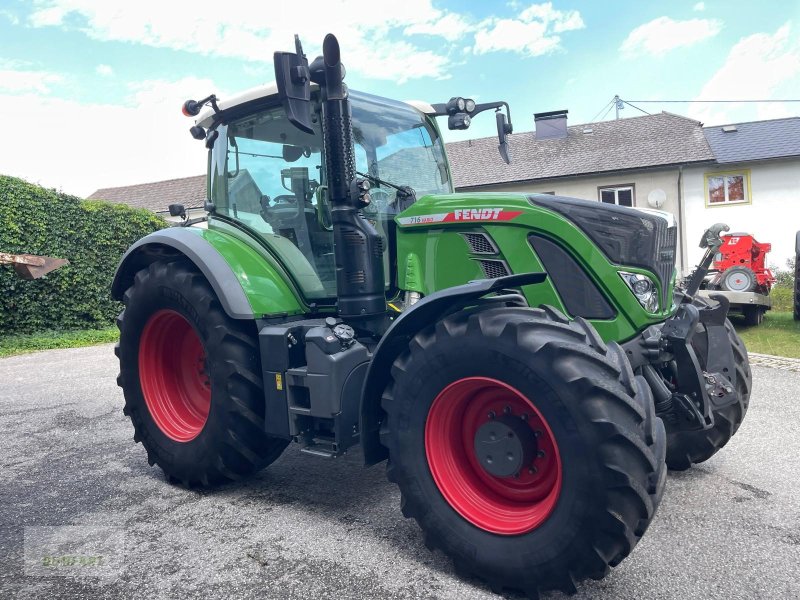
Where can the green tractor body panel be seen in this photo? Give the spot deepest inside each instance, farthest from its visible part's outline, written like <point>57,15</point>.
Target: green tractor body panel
<point>267,287</point>
<point>431,235</point>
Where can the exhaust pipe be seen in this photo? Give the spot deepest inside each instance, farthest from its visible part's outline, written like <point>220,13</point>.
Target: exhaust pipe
<point>358,247</point>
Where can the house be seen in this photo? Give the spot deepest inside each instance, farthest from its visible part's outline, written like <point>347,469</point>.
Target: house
<point>753,185</point>
<point>157,196</point>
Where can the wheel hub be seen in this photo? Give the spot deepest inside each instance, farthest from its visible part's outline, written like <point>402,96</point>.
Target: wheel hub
<point>504,446</point>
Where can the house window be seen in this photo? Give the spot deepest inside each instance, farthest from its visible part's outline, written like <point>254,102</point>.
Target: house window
<point>621,195</point>
<point>727,188</point>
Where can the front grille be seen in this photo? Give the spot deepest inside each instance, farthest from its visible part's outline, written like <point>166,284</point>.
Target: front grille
<point>665,262</point>
<point>479,243</point>
<point>494,268</point>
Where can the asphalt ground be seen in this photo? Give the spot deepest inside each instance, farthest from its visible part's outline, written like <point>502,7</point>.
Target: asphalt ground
<point>70,474</point>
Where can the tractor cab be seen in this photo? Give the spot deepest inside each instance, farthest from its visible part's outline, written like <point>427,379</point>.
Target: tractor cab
<point>269,177</point>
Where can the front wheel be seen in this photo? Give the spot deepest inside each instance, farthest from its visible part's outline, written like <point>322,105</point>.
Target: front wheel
<point>191,379</point>
<point>524,447</point>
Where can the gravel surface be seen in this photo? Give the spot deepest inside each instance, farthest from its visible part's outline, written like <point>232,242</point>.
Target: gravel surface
<point>310,528</point>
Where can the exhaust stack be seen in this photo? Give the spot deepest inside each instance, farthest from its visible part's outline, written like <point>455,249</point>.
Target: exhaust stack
<point>358,247</point>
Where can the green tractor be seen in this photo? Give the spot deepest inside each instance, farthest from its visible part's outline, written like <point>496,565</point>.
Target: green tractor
<point>524,363</point>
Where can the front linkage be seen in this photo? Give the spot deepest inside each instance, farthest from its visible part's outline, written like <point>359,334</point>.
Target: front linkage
<point>691,378</point>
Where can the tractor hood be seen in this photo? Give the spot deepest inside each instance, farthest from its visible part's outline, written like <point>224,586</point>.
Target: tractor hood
<point>626,237</point>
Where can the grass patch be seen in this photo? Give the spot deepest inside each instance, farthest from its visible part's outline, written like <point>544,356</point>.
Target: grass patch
<point>48,340</point>
<point>778,335</point>
<point>782,298</point>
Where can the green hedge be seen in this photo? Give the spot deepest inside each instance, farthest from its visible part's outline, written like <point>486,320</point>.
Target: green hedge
<point>92,234</point>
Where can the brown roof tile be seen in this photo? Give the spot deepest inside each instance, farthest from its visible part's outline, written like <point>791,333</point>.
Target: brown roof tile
<point>157,196</point>
<point>633,143</point>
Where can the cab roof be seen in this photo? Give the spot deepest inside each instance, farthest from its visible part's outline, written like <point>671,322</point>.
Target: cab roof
<point>271,89</point>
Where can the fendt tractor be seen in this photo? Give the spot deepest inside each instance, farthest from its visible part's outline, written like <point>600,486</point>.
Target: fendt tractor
<point>524,363</point>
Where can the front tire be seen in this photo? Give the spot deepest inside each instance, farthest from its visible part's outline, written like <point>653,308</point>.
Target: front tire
<point>191,379</point>
<point>590,482</point>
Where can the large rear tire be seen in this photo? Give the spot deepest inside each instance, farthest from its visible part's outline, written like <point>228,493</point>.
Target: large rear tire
<point>191,379</point>
<point>593,473</point>
<point>685,448</point>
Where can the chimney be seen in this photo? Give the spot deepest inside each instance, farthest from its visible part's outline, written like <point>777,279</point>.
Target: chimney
<point>551,125</point>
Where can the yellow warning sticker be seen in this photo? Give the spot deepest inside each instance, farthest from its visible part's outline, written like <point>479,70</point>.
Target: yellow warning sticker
<point>278,381</point>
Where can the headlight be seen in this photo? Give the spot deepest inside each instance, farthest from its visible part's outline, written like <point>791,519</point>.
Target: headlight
<point>644,289</point>
<point>469,105</point>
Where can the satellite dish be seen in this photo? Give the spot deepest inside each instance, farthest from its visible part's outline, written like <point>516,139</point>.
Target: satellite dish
<point>656,198</point>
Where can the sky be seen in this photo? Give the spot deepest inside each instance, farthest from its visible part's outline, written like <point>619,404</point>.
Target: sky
<point>90,90</point>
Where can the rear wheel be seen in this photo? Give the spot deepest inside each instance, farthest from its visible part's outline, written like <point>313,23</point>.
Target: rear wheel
<point>524,447</point>
<point>191,379</point>
<point>753,315</point>
<point>685,448</point>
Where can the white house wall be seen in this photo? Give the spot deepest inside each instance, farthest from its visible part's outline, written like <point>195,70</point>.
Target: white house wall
<point>773,216</point>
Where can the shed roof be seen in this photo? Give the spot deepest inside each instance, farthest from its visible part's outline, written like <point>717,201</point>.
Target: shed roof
<point>756,140</point>
<point>634,143</point>
<point>157,196</point>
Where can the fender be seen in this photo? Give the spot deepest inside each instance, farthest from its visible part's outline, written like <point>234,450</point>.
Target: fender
<point>221,259</point>
<point>425,312</point>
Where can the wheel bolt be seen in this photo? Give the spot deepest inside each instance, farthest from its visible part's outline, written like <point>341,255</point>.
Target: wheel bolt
<point>533,470</point>
<point>507,410</point>
<point>491,414</point>
<point>524,416</point>
<point>540,454</point>
<point>516,475</point>
<point>537,433</point>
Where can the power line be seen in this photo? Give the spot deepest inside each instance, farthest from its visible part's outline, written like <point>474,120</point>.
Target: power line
<point>611,105</point>
<point>601,110</point>
<point>636,107</point>
<point>709,101</point>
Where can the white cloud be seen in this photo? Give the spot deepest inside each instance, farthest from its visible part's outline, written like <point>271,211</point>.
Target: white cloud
<point>91,146</point>
<point>759,66</point>
<point>659,36</point>
<point>699,7</point>
<point>104,70</point>
<point>14,80</point>
<point>450,26</point>
<point>533,32</point>
<point>368,30</point>
<point>10,16</point>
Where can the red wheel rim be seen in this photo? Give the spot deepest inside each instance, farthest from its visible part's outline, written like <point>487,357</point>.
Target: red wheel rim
<point>507,505</point>
<point>173,376</point>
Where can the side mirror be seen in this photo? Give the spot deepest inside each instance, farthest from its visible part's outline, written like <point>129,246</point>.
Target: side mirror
<point>292,153</point>
<point>294,86</point>
<point>177,210</point>
<point>503,129</point>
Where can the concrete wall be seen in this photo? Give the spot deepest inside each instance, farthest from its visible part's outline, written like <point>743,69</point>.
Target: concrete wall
<point>586,187</point>
<point>772,216</point>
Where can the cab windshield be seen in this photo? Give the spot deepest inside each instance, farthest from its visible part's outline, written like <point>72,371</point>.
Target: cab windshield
<point>269,176</point>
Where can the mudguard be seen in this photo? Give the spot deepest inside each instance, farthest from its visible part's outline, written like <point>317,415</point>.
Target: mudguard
<point>246,285</point>
<point>425,312</point>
